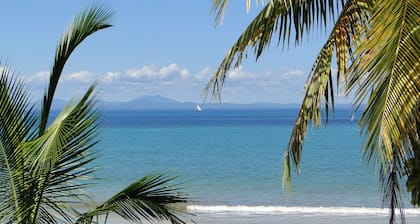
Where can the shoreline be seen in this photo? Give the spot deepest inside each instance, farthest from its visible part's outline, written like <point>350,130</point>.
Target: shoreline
<point>220,214</point>
<point>295,210</point>
<point>213,218</point>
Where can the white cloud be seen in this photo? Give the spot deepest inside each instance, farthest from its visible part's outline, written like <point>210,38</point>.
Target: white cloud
<point>184,73</point>
<point>239,73</point>
<point>283,86</point>
<point>165,70</point>
<point>147,71</point>
<point>179,83</point>
<point>110,77</point>
<point>82,76</point>
<point>38,78</point>
<point>204,74</point>
<point>151,73</point>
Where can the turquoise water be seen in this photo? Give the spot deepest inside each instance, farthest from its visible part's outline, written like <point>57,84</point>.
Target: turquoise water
<point>234,158</point>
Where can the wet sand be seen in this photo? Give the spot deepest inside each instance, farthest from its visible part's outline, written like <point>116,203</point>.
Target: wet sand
<point>206,218</point>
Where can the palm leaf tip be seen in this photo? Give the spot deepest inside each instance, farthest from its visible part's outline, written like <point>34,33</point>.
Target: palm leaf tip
<point>89,21</point>
<point>151,198</point>
<point>286,175</point>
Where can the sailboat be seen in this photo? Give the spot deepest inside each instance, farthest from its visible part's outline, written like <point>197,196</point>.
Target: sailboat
<point>198,108</point>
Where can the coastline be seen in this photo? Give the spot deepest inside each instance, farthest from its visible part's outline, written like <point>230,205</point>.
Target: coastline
<point>296,214</point>
<point>201,214</point>
<point>233,218</point>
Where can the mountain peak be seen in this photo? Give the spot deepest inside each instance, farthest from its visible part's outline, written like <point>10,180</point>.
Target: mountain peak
<point>155,99</point>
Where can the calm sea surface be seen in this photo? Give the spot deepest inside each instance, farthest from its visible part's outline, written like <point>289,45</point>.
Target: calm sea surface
<point>231,160</point>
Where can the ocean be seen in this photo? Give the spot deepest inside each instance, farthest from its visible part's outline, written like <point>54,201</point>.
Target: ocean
<point>230,164</point>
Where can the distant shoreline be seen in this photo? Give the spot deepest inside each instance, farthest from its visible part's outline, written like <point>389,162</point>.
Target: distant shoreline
<point>162,103</point>
<point>289,215</point>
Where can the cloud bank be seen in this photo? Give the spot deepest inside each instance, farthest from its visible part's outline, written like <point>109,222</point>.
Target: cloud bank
<point>177,82</point>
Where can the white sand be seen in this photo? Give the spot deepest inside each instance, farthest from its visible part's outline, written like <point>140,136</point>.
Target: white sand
<point>206,218</point>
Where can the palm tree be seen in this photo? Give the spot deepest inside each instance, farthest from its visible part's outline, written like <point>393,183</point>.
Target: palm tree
<point>45,165</point>
<point>376,45</point>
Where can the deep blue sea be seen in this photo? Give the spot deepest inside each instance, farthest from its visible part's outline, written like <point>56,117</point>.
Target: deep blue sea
<point>232,159</point>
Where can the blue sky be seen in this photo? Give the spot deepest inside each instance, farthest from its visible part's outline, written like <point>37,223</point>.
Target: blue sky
<point>170,48</point>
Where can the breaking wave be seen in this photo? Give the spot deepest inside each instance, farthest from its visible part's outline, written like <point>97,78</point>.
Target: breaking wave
<point>240,209</point>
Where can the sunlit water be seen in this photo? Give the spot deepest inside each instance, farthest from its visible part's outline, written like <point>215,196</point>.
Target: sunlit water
<point>231,160</point>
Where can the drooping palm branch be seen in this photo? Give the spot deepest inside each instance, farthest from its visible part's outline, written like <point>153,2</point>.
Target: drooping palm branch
<point>377,58</point>
<point>283,17</point>
<point>286,18</point>
<point>220,6</point>
<point>413,163</point>
<point>320,87</point>
<point>386,76</point>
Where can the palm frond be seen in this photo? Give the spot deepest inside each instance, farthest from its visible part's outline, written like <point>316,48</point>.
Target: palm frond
<point>58,159</point>
<point>413,164</point>
<point>72,129</point>
<point>284,17</point>
<point>319,87</point>
<point>391,179</point>
<point>316,91</point>
<point>85,24</point>
<point>148,199</point>
<point>385,73</point>
<point>17,117</point>
<point>220,6</point>
<point>39,171</point>
<point>16,122</point>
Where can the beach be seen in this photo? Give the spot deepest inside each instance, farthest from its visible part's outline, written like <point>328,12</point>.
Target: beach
<point>297,219</point>
<point>229,218</point>
<point>304,215</point>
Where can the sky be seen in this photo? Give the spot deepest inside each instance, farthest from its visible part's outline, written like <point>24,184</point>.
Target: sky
<point>167,48</point>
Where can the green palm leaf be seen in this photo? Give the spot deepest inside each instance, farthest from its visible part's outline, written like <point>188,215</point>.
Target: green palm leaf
<point>281,16</point>
<point>16,122</point>
<point>376,45</point>
<point>44,169</point>
<point>58,158</point>
<point>220,6</point>
<point>284,17</point>
<point>319,87</point>
<point>150,198</point>
<point>85,24</point>
<point>71,130</point>
<point>386,73</point>
<point>413,164</point>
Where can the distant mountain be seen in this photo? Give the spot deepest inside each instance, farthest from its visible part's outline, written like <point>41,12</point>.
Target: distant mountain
<point>148,102</point>
<point>157,102</point>
<point>156,99</point>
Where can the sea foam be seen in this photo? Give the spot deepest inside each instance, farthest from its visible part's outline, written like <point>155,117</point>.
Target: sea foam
<point>272,210</point>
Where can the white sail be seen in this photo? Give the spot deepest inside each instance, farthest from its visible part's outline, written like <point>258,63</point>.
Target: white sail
<point>197,108</point>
